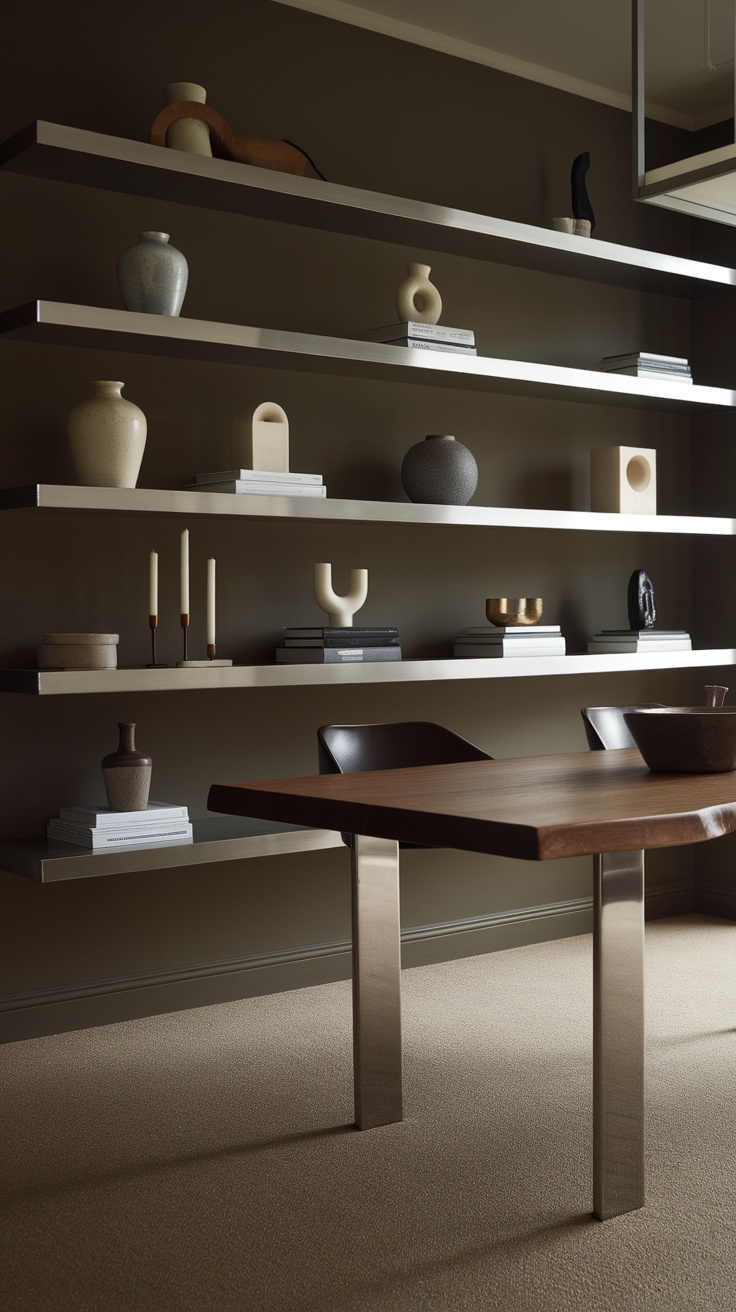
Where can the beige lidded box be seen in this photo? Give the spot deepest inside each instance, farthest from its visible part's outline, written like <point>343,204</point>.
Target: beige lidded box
<point>79,651</point>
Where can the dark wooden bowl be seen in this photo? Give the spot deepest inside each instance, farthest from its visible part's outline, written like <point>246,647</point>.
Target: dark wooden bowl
<point>686,739</point>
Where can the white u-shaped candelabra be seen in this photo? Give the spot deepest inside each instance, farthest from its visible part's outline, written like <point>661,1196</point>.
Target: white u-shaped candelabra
<point>340,610</point>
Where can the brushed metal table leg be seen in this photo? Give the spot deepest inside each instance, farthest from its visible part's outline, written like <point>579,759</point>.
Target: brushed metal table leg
<point>376,982</point>
<point>618,1033</point>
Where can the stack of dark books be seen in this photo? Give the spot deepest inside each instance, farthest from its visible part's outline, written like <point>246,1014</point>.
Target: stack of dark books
<point>646,640</point>
<point>426,336</point>
<point>338,646</point>
<point>510,640</point>
<point>644,364</point>
<point>103,830</point>
<point>262,482</point>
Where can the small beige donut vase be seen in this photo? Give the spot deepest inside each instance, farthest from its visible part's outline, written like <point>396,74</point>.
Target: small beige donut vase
<point>417,286</point>
<point>107,437</point>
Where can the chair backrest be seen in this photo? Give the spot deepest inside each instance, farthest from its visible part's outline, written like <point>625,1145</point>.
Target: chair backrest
<point>345,748</point>
<point>605,725</point>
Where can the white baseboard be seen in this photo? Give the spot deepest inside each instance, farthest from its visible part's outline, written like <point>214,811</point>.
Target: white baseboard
<point>125,997</point>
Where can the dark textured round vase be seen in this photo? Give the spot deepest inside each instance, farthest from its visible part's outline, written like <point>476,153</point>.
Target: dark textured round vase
<point>439,471</point>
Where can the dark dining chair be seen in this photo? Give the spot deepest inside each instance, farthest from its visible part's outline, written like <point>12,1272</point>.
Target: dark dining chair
<point>605,725</point>
<point>347,748</point>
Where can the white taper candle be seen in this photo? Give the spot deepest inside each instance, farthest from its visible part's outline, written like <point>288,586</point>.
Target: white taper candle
<point>211,602</point>
<point>185,572</point>
<point>153,583</point>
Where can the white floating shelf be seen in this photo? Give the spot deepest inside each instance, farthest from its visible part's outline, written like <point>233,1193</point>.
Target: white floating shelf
<point>48,683</point>
<point>221,838</point>
<point>50,150</point>
<point>703,186</point>
<point>166,501</point>
<point>58,323</point>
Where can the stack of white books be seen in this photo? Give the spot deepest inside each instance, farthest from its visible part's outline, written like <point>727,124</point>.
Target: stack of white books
<point>510,640</point>
<point>264,482</point>
<point>645,364</point>
<point>647,640</point>
<point>425,336</point>
<point>103,830</point>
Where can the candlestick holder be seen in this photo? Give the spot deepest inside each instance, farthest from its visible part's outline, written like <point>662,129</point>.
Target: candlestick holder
<point>212,659</point>
<point>155,664</point>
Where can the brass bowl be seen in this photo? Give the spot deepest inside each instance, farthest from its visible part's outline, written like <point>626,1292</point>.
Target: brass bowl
<point>685,739</point>
<point>514,610</point>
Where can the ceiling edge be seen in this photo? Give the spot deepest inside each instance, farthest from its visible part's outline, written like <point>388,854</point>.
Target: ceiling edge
<point>448,45</point>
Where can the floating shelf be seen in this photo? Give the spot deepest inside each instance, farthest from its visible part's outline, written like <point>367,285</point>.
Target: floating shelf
<point>59,324</point>
<point>48,683</point>
<point>222,838</point>
<point>167,501</point>
<point>703,186</point>
<point>62,154</point>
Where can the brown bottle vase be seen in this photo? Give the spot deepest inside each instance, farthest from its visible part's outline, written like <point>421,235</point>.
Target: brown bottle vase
<point>127,774</point>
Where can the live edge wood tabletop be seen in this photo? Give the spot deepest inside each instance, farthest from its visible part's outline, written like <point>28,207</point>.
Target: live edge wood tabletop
<point>537,808</point>
<point>604,804</point>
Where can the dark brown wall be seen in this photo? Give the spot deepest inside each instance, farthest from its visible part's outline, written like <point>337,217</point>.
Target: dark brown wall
<point>378,114</point>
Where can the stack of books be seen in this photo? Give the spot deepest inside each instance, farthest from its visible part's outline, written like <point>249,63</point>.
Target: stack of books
<point>103,830</point>
<point>266,482</point>
<point>647,640</point>
<point>338,646</point>
<point>644,364</point>
<point>510,640</point>
<point>426,336</point>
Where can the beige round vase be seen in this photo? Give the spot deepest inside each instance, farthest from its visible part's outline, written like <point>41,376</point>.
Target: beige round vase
<point>417,298</point>
<point>107,438</point>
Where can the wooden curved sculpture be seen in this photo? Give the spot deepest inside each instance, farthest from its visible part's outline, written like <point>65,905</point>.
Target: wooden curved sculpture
<point>226,144</point>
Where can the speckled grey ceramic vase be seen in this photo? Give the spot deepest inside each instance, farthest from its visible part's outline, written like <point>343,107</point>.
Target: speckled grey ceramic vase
<point>153,275</point>
<point>439,471</point>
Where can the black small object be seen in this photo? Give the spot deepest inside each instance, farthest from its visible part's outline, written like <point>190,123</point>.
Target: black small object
<point>307,157</point>
<point>581,206</point>
<point>640,600</point>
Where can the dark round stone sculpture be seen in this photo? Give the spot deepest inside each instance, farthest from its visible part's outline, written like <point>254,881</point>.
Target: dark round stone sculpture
<point>640,601</point>
<point>439,471</point>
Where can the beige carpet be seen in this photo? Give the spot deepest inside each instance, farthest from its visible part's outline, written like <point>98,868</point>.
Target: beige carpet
<point>203,1160</point>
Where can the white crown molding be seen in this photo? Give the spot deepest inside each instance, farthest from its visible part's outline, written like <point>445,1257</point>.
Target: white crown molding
<point>449,45</point>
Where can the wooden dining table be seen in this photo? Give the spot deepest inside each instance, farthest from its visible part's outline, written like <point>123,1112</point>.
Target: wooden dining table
<point>606,804</point>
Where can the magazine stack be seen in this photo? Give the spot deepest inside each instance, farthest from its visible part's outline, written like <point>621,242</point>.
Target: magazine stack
<point>103,830</point>
<point>338,646</point>
<point>644,364</point>
<point>425,336</point>
<point>510,640</point>
<point>646,640</point>
<point>263,482</point>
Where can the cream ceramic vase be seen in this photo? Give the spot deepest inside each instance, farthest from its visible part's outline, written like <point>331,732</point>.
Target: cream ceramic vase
<point>187,133</point>
<point>107,437</point>
<point>417,298</point>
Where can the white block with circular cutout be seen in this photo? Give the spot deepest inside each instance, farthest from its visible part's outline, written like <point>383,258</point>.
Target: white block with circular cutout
<point>623,480</point>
